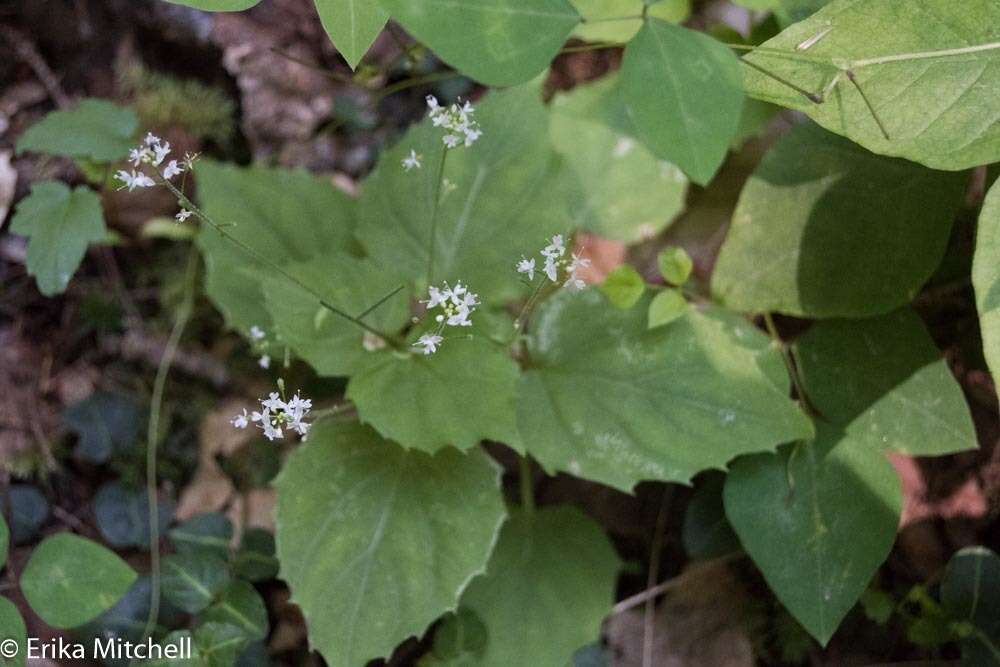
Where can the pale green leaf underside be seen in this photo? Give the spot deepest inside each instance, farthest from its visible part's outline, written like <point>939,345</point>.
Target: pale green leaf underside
<point>357,516</point>
<point>509,193</point>
<point>61,224</point>
<point>626,193</point>
<point>938,109</point>
<point>289,216</point>
<point>459,396</point>
<point>818,519</point>
<point>824,228</point>
<point>986,277</point>
<point>70,580</point>
<point>549,584</point>
<point>497,42</point>
<point>697,396</point>
<point>95,129</point>
<point>683,91</point>
<point>600,16</point>
<point>884,382</point>
<point>329,343</point>
<point>352,25</point>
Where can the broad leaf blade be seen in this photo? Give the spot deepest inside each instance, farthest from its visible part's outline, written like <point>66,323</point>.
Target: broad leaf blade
<point>818,519</point>
<point>357,516</point>
<point>70,580</point>
<point>286,215</point>
<point>683,90</point>
<point>986,277</point>
<point>96,130</point>
<point>61,224</point>
<point>549,584</point>
<point>191,582</point>
<point>352,25</point>
<point>970,591</point>
<point>497,42</point>
<point>12,628</point>
<point>603,18</point>
<point>934,107</point>
<point>824,228</point>
<point>697,396</point>
<point>884,381</point>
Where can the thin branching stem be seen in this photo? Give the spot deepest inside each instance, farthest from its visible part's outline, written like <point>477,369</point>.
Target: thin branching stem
<point>205,218</point>
<point>182,316</point>
<point>432,251</point>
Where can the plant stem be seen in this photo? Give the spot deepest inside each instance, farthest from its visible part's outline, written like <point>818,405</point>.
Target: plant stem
<point>201,215</point>
<point>375,306</point>
<point>434,216</point>
<point>153,434</point>
<point>793,370</point>
<point>527,486</point>
<point>528,305</point>
<point>415,81</point>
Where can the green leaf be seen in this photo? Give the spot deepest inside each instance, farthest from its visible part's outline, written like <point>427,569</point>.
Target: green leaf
<point>255,559</point>
<point>240,605</point>
<point>461,635</point>
<point>70,580</point>
<point>352,25</point>
<point>683,90</point>
<point>697,394</point>
<point>29,510</point>
<point>122,515</point>
<point>510,193</point>
<point>884,382</point>
<point>626,193</point>
<point>357,516</point>
<point>217,5</point>
<point>818,519</point>
<point>328,342</point>
<point>181,640</point>
<point>191,582</point>
<point>986,277</point>
<point>601,17</point>
<point>287,215</point>
<point>675,265</point>
<point>706,532</point>
<point>106,423</point>
<point>204,533</point>
<point>970,591</point>
<point>623,287</point>
<point>12,627</point>
<point>61,223</point>
<point>4,540</point>
<point>497,42</point>
<point>666,307</point>
<point>95,129</point>
<point>412,398</point>
<point>928,67</point>
<point>220,644</point>
<point>824,228</point>
<point>549,584</point>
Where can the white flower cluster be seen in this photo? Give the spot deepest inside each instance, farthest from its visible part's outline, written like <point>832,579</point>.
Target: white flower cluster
<point>456,303</point>
<point>152,151</point>
<point>555,262</point>
<point>462,127</point>
<point>276,416</point>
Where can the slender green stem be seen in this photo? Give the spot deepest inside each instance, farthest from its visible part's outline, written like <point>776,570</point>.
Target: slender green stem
<point>811,96</point>
<point>372,308</point>
<point>923,55</point>
<point>525,310</point>
<point>432,252</point>
<point>153,433</point>
<point>328,73</point>
<point>201,215</point>
<point>790,365</point>
<point>610,19</point>
<point>871,108</point>
<point>413,82</point>
<point>527,486</point>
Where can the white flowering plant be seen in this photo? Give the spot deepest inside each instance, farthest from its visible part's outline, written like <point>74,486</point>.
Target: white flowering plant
<point>501,296</point>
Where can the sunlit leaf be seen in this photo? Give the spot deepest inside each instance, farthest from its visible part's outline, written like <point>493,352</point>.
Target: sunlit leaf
<point>95,129</point>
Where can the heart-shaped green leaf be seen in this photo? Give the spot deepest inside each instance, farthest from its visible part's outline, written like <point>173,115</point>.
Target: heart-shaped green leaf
<point>352,25</point>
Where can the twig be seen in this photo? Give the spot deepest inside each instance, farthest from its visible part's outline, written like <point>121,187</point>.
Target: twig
<point>27,52</point>
<point>660,589</point>
<point>152,437</point>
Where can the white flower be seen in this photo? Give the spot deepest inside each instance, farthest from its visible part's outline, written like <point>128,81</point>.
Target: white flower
<point>556,248</point>
<point>172,169</point>
<point>462,127</point>
<point>139,155</point>
<point>573,279</point>
<point>134,180</point>
<point>161,152</point>
<point>240,420</point>
<point>276,416</point>
<point>438,296</point>
<point>411,161</point>
<point>183,215</point>
<point>264,362</point>
<point>551,269</point>
<point>151,139</point>
<point>527,266</point>
<point>256,333</point>
<point>429,343</point>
